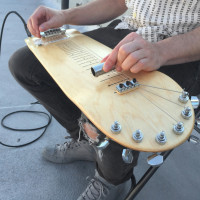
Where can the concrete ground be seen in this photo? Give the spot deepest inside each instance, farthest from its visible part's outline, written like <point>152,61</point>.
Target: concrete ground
<point>24,175</point>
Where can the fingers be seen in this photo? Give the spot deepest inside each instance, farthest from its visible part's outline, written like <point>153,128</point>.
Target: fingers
<point>139,66</point>
<point>30,27</point>
<point>128,51</point>
<point>112,58</point>
<point>36,19</point>
<point>132,59</point>
<point>104,59</point>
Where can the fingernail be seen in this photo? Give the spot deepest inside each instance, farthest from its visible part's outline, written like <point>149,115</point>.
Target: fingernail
<point>41,28</point>
<point>118,69</point>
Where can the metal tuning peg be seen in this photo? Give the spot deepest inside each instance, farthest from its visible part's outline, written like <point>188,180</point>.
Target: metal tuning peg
<point>184,97</point>
<point>194,139</point>
<point>161,138</point>
<point>116,127</point>
<point>155,160</point>
<point>186,113</point>
<point>103,144</point>
<point>198,123</point>
<point>137,136</point>
<point>127,156</point>
<point>178,128</point>
<point>195,102</point>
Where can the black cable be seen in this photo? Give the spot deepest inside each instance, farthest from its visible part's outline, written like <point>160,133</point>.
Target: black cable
<point>22,111</point>
<point>23,21</point>
<point>32,129</point>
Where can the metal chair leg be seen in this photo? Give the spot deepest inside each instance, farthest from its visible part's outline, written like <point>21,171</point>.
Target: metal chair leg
<point>146,177</point>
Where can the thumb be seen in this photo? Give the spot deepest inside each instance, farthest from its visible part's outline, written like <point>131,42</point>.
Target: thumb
<point>46,25</point>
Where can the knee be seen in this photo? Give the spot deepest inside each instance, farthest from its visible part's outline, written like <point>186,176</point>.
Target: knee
<point>18,63</point>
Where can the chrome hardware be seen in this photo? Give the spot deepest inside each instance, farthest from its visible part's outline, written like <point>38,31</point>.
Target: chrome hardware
<point>51,36</point>
<point>178,128</point>
<point>103,144</point>
<point>116,127</point>
<point>53,32</point>
<point>127,86</point>
<point>127,156</point>
<point>155,160</point>
<point>161,138</point>
<point>97,70</point>
<point>137,136</point>
<point>184,97</point>
<point>198,122</point>
<point>194,139</point>
<point>186,113</point>
<point>195,102</point>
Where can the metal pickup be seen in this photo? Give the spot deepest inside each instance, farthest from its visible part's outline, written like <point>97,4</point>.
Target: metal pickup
<point>127,86</point>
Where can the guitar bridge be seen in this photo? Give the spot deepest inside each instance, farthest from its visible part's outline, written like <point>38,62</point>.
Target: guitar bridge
<point>51,36</point>
<point>127,86</point>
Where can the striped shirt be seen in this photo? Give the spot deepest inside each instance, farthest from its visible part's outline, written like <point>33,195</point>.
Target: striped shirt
<point>156,20</point>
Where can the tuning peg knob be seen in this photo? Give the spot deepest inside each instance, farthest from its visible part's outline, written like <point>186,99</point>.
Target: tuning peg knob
<point>127,156</point>
<point>195,102</point>
<point>103,144</point>
<point>194,139</point>
<point>155,160</point>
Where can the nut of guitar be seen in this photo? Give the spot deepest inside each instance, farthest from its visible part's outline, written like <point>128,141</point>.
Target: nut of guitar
<point>51,36</point>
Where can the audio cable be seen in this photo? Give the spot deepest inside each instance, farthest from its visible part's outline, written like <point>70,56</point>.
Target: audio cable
<point>49,117</point>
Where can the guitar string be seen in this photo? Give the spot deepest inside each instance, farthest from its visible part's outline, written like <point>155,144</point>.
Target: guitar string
<point>121,74</point>
<point>110,78</point>
<point>159,108</point>
<point>160,88</point>
<point>127,77</point>
<point>94,54</point>
<point>162,97</point>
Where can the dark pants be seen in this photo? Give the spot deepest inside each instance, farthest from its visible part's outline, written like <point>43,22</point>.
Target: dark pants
<point>28,71</point>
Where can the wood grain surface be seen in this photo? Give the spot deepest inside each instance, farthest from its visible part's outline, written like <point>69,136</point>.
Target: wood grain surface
<point>149,109</point>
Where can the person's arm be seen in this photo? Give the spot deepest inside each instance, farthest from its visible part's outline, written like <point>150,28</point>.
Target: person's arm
<point>136,54</point>
<point>95,12</point>
<point>181,48</point>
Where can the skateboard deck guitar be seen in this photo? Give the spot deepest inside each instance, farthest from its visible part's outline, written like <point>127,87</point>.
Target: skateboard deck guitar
<point>147,111</point>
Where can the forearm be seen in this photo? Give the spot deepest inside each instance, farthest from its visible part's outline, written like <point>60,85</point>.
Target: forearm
<point>95,12</point>
<point>181,48</point>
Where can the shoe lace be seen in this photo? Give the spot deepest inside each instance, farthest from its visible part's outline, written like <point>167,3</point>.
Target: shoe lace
<point>95,190</point>
<point>69,144</point>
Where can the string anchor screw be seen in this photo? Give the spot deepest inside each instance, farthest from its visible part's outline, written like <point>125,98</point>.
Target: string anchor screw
<point>186,113</point>
<point>137,136</point>
<point>178,128</point>
<point>116,127</point>
<point>161,138</point>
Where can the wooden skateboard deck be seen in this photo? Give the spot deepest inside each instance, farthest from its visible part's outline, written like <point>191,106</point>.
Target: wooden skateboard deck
<point>147,108</point>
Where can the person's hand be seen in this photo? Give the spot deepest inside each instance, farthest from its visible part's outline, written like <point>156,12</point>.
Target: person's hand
<point>43,19</point>
<point>135,54</point>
